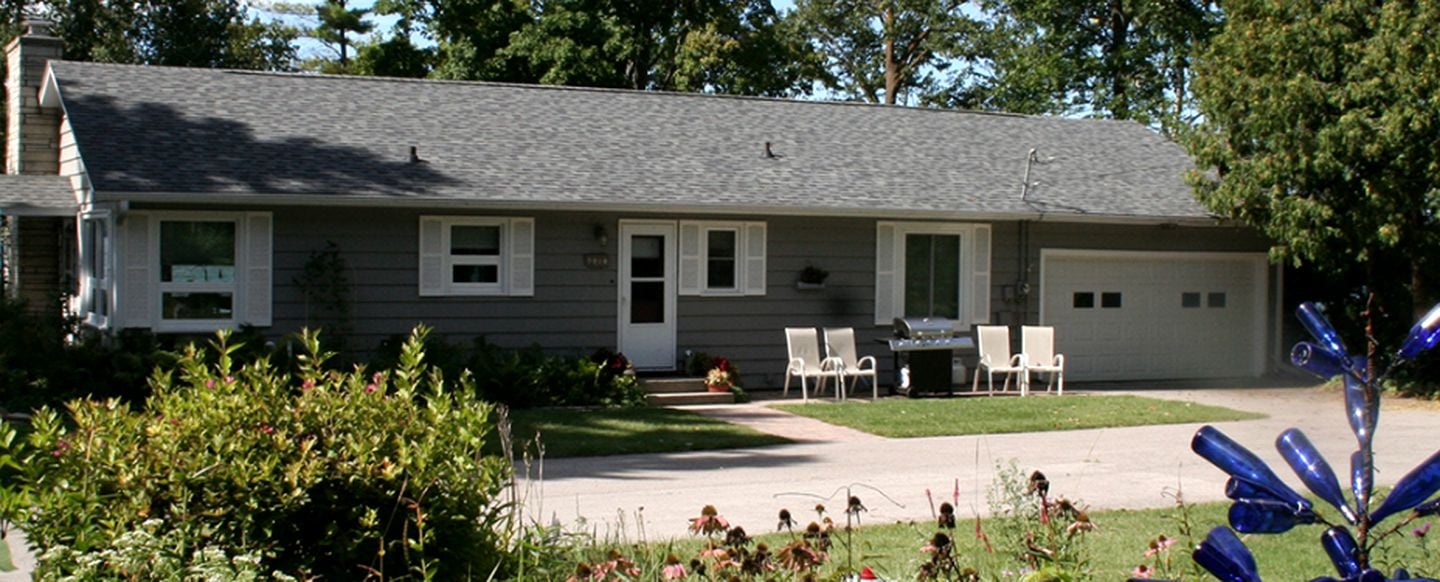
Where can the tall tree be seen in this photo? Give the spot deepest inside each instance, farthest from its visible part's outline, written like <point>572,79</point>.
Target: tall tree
<point>469,35</point>
<point>1319,124</point>
<point>338,21</point>
<point>193,33</point>
<point>1123,59</point>
<point>885,51</point>
<point>732,46</point>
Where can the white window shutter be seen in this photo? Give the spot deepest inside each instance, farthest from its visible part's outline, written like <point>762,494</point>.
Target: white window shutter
<point>432,260</point>
<point>980,308</point>
<point>259,257</point>
<point>135,301</point>
<point>522,257</point>
<point>754,258</point>
<point>690,258</point>
<point>885,264</point>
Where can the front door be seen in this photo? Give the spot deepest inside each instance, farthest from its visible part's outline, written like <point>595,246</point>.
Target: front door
<point>647,294</point>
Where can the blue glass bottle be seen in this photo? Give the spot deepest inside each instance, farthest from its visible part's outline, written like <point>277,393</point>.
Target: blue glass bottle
<point>1267,516</point>
<point>1239,462</point>
<point>1423,336</point>
<point>1312,469</point>
<point>1343,551</point>
<point>1319,327</point>
<point>1226,557</point>
<point>1362,481</point>
<point>1317,360</point>
<point>1412,489</point>
<point>1363,416</point>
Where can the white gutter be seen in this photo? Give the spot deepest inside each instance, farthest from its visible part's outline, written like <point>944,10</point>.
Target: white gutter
<point>191,199</point>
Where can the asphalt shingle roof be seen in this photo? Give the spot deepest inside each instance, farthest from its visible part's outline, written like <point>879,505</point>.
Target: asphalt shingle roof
<point>153,130</point>
<point>37,195</point>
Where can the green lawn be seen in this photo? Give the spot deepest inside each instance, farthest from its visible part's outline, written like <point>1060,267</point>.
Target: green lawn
<point>621,431</point>
<point>1113,549</point>
<point>905,418</point>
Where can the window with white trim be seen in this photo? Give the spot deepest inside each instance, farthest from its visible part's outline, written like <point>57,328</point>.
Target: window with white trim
<point>476,255</point>
<point>95,271</point>
<point>932,270</point>
<point>722,258</point>
<point>183,271</point>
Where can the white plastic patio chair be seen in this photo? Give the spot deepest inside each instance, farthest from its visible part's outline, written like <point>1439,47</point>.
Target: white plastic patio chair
<point>840,343</point>
<point>1038,345</point>
<point>993,344</point>
<point>803,346</point>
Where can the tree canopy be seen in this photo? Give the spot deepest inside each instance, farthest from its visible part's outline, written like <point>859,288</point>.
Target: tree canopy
<point>1319,125</point>
<point>1123,59</point>
<point>190,33</point>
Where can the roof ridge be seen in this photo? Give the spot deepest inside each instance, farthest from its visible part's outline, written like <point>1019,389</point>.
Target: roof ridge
<point>582,89</point>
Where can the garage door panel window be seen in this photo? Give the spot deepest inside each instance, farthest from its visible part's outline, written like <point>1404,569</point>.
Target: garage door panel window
<point>1216,300</point>
<point>1189,300</point>
<point>1110,300</point>
<point>1083,301</point>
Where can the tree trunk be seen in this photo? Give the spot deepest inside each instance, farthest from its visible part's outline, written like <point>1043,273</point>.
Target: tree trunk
<point>1114,56</point>
<point>892,68</point>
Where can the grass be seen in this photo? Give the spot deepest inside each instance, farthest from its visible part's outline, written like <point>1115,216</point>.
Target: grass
<point>621,431</point>
<point>907,418</point>
<point>1112,551</point>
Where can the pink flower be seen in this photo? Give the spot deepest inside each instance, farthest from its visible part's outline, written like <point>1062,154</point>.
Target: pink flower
<point>267,429</point>
<point>371,388</point>
<point>1142,571</point>
<point>307,385</point>
<point>1159,545</point>
<point>210,383</point>
<point>1420,532</point>
<point>673,570</point>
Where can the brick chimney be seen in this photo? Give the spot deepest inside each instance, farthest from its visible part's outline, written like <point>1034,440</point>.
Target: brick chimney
<point>32,134</point>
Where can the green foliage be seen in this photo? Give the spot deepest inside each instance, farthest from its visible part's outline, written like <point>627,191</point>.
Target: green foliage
<point>530,377</point>
<point>337,22</point>
<point>396,57</point>
<point>190,33</point>
<point>884,52</point>
<point>318,474</point>
<point>1036,531</point>
<point>1125,59</point>
<point>151,552</point>
<point>1318,125</point>
<point>469,35</point>
<point>325,282</point>
<point>44,363</point>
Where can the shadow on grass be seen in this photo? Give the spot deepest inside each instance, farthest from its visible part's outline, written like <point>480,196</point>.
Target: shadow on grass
<point>601,432</point>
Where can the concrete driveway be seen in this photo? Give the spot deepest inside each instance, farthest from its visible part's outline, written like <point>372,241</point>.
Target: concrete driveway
<point>653,496</point>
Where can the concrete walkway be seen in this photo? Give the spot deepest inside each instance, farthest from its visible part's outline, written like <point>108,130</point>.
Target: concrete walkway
<point>653,496</point>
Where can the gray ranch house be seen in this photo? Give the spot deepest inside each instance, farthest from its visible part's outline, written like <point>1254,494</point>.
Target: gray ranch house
<point>183,200</point>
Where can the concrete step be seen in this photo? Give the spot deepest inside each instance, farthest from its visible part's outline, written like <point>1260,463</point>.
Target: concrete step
<point>689,398</point>
<point>671,385</point>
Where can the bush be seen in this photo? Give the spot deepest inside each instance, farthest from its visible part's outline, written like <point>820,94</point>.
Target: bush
<point>47,360</point>
<point>318,474</point>
<point>530,377</point>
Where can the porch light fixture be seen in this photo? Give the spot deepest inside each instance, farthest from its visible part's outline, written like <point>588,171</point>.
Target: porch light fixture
<point>602,236</point>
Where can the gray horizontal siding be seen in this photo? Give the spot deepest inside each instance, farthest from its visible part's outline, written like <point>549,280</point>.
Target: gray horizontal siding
<point>573,310</point>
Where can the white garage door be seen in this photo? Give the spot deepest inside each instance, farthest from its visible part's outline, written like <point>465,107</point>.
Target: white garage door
<point>1147,316</point>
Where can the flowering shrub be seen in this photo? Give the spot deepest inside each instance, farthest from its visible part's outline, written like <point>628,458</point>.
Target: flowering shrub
<point>317,474</point>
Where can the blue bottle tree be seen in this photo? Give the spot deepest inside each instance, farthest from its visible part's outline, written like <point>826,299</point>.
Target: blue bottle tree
<point>1263,503</point>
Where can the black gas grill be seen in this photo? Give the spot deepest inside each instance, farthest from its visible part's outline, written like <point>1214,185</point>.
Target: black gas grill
<point>924,348</point>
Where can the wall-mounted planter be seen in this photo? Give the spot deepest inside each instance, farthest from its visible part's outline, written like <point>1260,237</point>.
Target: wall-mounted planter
<point>803,286</point>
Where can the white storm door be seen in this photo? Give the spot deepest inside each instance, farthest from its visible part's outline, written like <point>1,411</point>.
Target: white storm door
<point>647,294</point>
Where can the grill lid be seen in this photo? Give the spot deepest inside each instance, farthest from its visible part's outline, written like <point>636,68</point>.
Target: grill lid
<point>923,327</point>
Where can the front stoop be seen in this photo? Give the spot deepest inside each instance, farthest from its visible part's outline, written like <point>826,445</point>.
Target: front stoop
<point>682,392</point>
